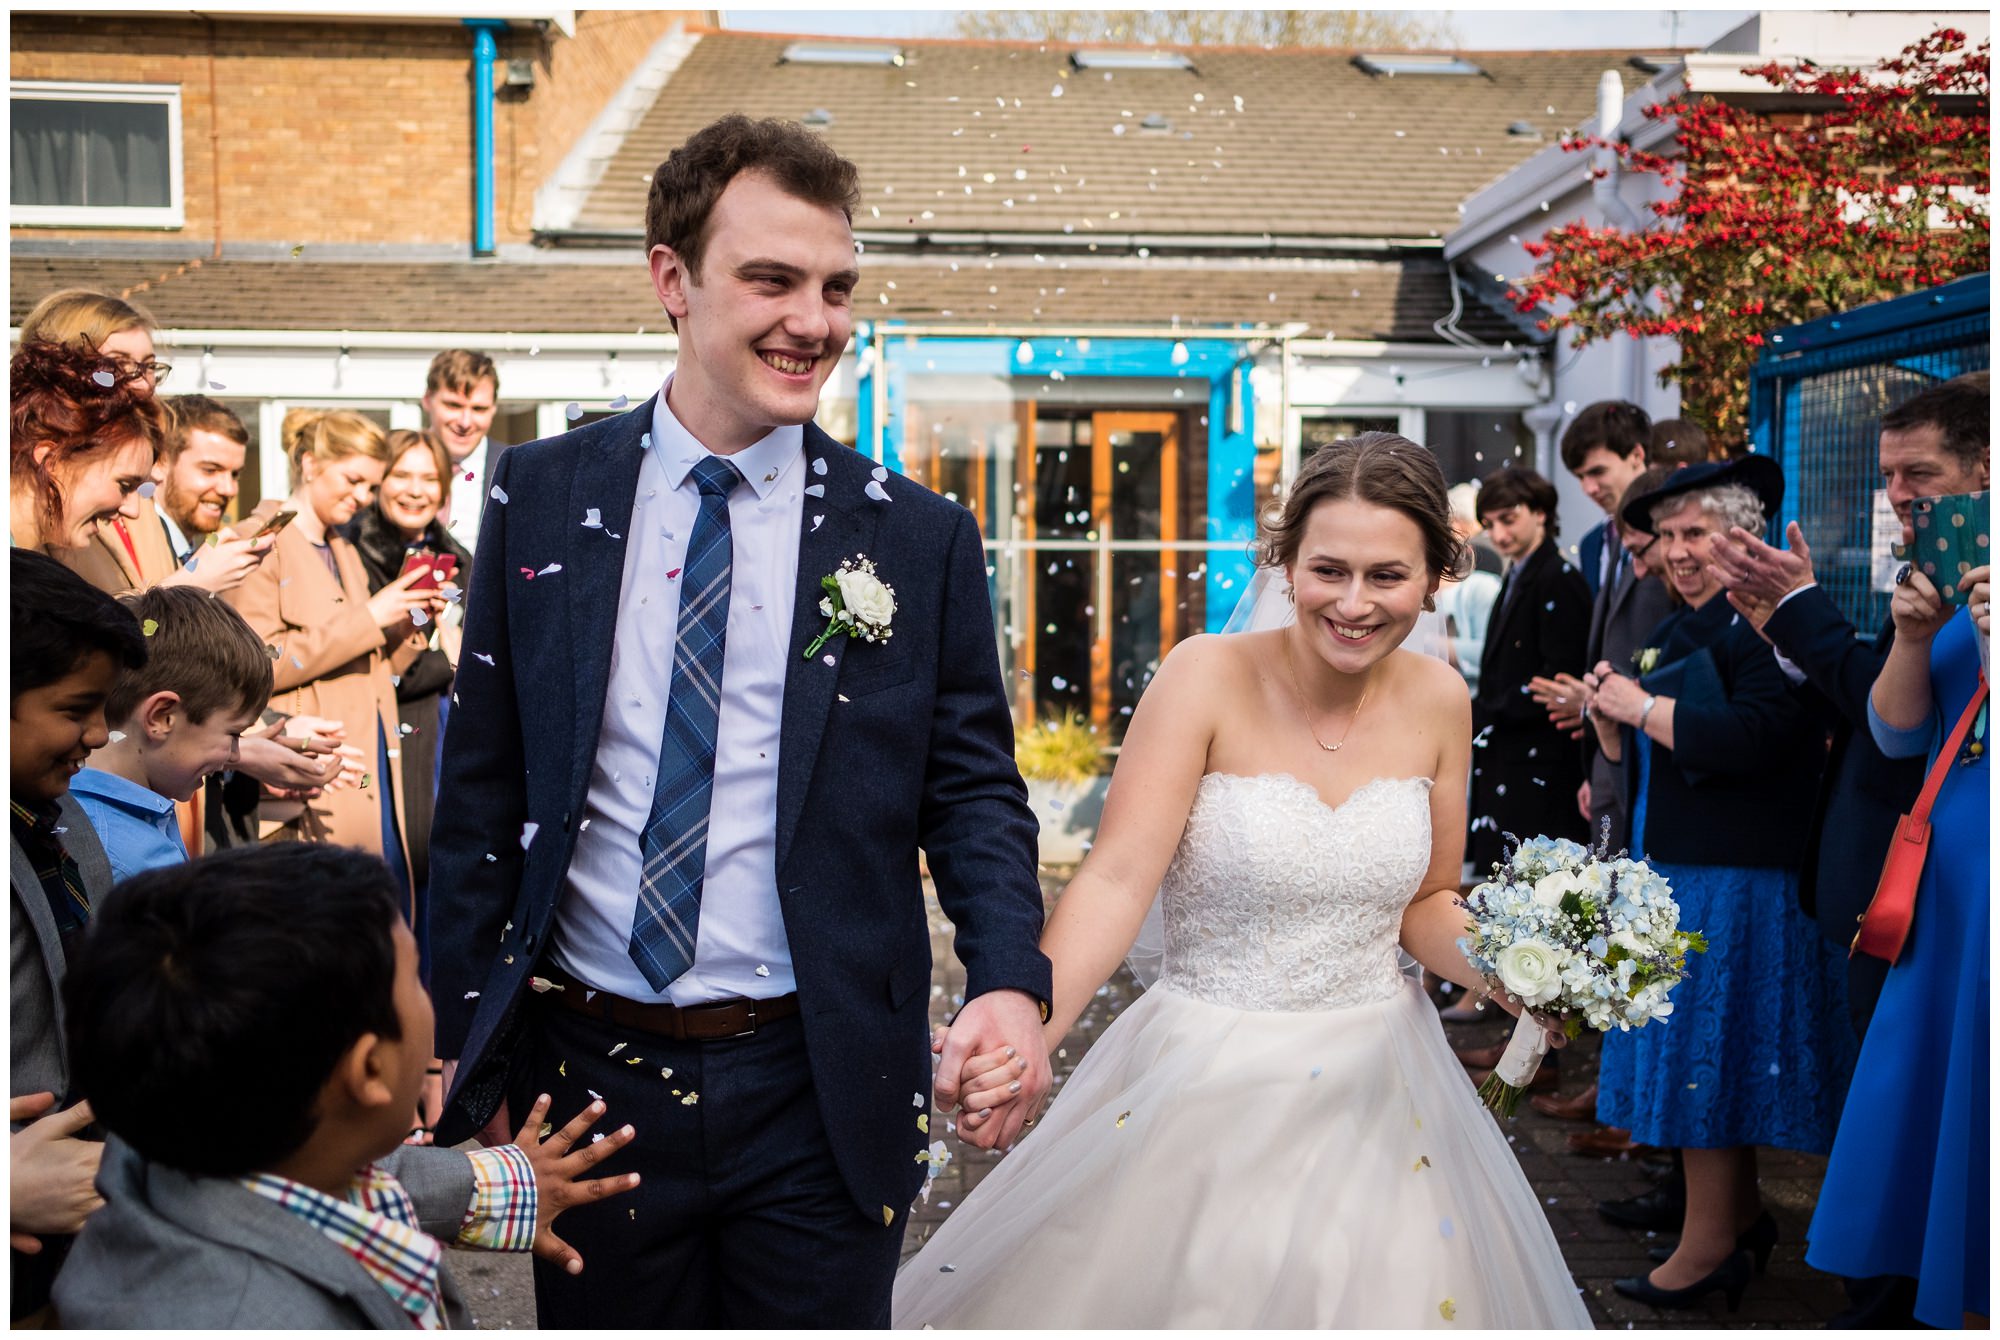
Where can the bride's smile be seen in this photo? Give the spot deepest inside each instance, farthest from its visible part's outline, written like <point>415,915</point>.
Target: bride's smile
<point>1360,581</point>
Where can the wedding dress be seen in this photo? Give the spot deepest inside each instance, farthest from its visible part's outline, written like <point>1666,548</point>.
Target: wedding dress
<point>1276,1133</point>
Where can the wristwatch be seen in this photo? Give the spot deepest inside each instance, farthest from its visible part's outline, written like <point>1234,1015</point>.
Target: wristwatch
<point>1646,710</point>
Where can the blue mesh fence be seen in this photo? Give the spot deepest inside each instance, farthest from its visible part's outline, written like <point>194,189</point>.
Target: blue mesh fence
<point>1816,398</point>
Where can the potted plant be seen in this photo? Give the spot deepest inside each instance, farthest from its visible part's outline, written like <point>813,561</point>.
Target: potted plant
<point>1062,762</point>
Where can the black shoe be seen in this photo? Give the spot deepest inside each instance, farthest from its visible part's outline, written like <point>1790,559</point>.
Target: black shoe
<point>1660,1209</point>
<point>1758,1240</point>
<point>1730,1278</point>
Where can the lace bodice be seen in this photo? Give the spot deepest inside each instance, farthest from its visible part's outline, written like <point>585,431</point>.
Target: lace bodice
<point>1276,902</point>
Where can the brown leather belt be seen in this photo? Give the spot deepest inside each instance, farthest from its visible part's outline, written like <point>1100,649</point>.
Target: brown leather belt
<point>709,1021</point>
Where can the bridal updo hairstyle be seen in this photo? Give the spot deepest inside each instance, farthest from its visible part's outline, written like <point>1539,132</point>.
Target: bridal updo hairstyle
<point>1384,469</point>
<point>329,435</point>
<point>79,403</point>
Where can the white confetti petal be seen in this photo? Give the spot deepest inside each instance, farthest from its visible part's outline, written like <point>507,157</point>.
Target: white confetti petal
<point>828,658</point>
<point>593,519</point>
<point>816,521</point>
<point>572,411</point>
<point>879,473</point>
<point>116,736</point>
<point>497,494</point>
<point>482,656</point>
<point>620,402</point>
<point>528,832</point>
<point>819,465</point>
<point>815,490</point>
<point>553,567</point>
<point>103,378</point>
<point>876,491</point>
<point>472,995</point>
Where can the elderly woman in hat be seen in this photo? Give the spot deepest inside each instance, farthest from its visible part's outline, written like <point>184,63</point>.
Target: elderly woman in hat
<point>1722,760</point>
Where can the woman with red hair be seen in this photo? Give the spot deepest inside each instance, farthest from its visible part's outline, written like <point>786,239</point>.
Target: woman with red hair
<point>85,429</point>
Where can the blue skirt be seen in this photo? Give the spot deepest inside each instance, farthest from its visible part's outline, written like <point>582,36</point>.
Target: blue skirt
<point>1758,1050</point>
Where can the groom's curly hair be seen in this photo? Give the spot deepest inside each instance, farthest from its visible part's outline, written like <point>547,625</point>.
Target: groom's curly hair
<point>1384,469</point>
<point>686,186</point>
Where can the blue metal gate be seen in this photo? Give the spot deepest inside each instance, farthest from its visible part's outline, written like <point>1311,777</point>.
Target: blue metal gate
<point>1816,397</point>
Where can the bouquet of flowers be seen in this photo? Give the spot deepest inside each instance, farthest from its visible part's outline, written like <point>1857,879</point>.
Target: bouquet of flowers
<point>1578,936</point>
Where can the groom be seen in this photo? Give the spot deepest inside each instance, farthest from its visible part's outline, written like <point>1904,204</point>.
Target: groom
<point>675,862</point>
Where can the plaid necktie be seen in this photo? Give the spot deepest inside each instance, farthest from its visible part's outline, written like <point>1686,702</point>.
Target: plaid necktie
<point>673,847</point>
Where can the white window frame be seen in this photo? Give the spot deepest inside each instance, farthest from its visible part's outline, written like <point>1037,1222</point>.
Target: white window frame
<point>171,215</point>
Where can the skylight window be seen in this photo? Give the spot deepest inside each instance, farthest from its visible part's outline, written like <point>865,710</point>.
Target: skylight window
<point>1414,62</point>
<point>1135,58</point>
<point>842,53</point>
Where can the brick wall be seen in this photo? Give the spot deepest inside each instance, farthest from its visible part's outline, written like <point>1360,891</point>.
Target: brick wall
<point>342,132</point>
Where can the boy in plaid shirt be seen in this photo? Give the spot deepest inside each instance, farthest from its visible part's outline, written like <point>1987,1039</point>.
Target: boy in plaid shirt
<point>252,1032</point>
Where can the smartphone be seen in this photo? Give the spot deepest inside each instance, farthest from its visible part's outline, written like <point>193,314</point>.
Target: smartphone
<point>1954,535</point>
<point>249,529</point>
<point>428,564</point>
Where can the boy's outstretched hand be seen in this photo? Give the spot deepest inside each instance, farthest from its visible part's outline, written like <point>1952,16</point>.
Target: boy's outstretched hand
<point>558,1161</point>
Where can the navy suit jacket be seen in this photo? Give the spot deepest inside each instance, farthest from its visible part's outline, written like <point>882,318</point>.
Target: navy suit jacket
<point>1590,553</point>
<point>1737,787</point>
<point>1862,791</point>
<point>885,748</point>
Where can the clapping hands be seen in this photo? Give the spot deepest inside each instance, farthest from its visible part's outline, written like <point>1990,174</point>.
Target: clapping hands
<point>993,1067</point>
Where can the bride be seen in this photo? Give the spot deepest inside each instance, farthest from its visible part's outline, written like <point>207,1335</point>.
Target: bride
<point>1276,1134</point>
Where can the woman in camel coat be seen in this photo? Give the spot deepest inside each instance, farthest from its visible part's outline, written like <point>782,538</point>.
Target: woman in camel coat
<point>335,644</point>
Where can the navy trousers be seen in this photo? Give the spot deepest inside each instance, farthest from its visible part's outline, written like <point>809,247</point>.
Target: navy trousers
<point>740,1219</point>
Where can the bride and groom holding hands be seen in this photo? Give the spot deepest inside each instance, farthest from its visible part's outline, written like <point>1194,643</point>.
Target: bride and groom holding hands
<point>679,870</point>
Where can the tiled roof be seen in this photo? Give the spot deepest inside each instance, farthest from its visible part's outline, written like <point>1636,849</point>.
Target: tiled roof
<point>1359,300</point>
<point>1007,137</point>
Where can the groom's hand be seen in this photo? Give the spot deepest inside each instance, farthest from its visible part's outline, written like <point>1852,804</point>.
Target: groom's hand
<point>992,1023</point>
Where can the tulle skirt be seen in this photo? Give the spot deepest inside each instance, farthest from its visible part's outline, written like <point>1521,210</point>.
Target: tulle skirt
<point>1214,1167</point>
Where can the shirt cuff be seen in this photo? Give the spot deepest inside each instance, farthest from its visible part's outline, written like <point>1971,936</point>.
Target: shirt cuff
<point>1791,671</point>
<point>501,1217</point>
<point>1914,742</point>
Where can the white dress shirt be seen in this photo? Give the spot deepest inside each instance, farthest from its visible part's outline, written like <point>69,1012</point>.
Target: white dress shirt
<point>740,946</point>
<point>468,497</point>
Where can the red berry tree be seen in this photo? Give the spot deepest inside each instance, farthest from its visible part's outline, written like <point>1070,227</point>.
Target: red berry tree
<point>1870,184</point>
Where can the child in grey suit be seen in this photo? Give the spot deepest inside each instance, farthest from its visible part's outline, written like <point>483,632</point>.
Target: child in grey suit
<point>252,1033</point>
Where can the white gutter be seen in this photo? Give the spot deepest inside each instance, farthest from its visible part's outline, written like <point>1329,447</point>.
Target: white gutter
<point>511,342</point>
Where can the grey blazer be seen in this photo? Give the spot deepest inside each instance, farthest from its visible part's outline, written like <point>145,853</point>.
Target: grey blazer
<point>173,1251</point>
<point>39,1057</point>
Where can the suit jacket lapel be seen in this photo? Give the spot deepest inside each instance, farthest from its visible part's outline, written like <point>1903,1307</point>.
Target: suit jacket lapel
<point>606,477</point>
<point>838,525</point>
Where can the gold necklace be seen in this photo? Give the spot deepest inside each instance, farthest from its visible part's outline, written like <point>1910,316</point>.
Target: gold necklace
<point>1306,710</point>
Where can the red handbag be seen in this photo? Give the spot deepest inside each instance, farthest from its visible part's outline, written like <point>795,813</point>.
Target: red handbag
<point>1885,926</point>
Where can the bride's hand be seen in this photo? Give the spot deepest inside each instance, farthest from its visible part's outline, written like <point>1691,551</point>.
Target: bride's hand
<point>1507,1002</point>
<point>987,1082</point>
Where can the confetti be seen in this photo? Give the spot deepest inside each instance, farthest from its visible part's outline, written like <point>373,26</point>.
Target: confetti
<point>1448,1310</point>
<point>620,402</point>
<point>496,493</point>
<point>217,386</point>
<point>562,1067</point>
<point>472,995</point>
<point>1445,1228</point>
<point>924,1122</point>
<point>418,618</point>
<point>816,521</point>
<point>916,1100</point>
<point>666,1072</point>
<point>763,971</point>
<point>946,1270</point>
<point>815,490</point>
<point>1120,1123</point>
<point>819,465</point>
<point>673,573</point>
<point>572,411</point>
<point>482,656</point>
<point>691,1099</point>
<point>1423,1162</point>
<point>528,832</point>
<point>103,378</point>
<point>888,1216</point>
<point>876,491</point>
<point>635,1060</point>
<point>595,1095</point>
<point>147,489</point>
<point>118,735</point>
<point>1316,1072</point>
<point>592,519</point>
<point>619,1048</point>
<point>152,626</point>
<point>828,658</point>
<point>551,568</point>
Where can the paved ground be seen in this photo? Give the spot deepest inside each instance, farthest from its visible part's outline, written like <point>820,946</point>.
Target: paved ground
<point>1791,1294</point>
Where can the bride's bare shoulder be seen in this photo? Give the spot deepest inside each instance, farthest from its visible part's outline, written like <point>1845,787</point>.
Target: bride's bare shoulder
<point>1208,663</point>
<point>1433,686</point>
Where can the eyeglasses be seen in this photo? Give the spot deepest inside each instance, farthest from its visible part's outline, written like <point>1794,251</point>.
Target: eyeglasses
<point>1645,548</point>
<point>155,369</point>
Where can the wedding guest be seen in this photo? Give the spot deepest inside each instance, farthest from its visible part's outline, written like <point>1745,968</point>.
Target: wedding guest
<point>461,396</point>
<point>1467,603</point>
<point>173,721</point>
<point>84,433</point>
<point>1525,772</point>
<point>1723,759</point>
<point>279,985</point>
<point>200,463</point>
<point>1678,442</point>
<point>401,522</point>
<point>1906,1191</point>
<point>1605,447</point>
<point>310,600</point>
<point>124,554</point>
<point>68,641</point>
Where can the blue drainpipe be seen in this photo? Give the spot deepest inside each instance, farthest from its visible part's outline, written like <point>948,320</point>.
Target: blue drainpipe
<point>484,52</point>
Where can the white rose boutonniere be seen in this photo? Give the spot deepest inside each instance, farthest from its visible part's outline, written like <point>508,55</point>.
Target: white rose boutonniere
<point>1646,658</point>
<point>857,603</point>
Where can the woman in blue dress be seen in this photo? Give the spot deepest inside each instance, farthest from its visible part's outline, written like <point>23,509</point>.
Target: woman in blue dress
<point>1724,761</point>
<point>1906,1190</point>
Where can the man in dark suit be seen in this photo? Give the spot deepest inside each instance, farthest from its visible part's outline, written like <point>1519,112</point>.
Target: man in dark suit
<point>1605,448</point>
<point>1932,445</point>
<point>676,857</point>
<point>1525,772</point>
<point>461,396</point>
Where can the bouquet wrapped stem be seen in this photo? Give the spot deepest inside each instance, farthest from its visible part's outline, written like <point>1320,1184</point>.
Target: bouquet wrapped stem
<point>1501,1091</point>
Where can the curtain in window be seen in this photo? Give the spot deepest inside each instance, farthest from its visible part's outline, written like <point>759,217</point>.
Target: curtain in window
<point>87,154</point>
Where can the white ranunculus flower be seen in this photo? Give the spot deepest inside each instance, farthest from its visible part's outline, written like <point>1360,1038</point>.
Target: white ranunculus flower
<point>1532,970</point>
<point>865,597</point>
<point>1552,888</point>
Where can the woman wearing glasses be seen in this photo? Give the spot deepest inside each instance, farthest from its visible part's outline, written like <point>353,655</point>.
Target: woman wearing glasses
<point>123,554</point>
